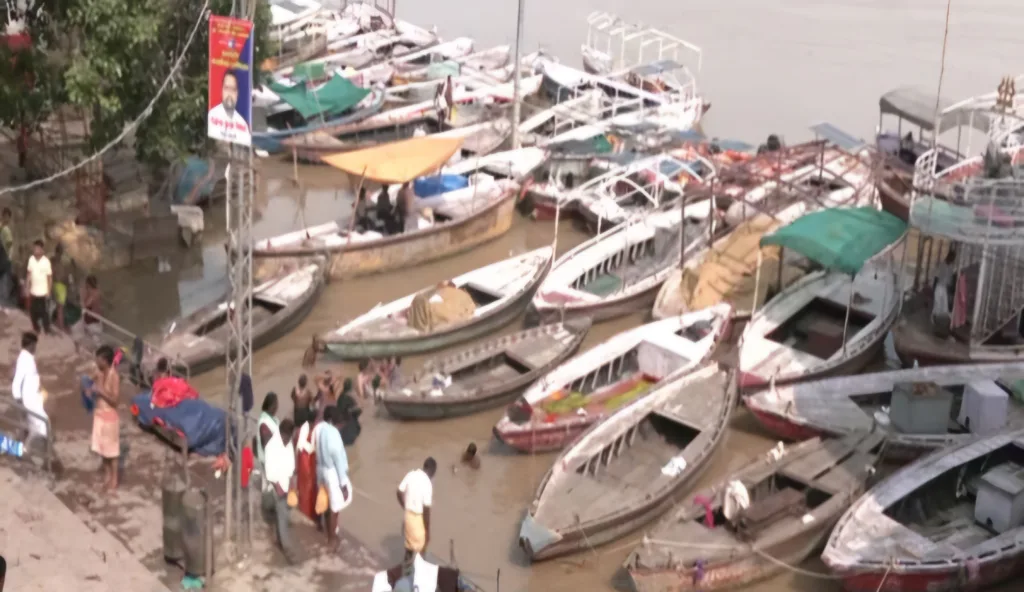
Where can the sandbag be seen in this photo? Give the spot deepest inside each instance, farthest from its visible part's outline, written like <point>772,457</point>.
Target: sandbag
<point>435,308</point>
<point>736,499</point>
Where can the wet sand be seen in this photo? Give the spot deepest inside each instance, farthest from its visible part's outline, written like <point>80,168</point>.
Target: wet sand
<point>768,68</point>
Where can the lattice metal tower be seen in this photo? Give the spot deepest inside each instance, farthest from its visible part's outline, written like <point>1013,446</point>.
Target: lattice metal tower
<point>239,207</point>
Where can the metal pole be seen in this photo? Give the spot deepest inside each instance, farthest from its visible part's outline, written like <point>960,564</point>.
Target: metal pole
<point>516,97</point>
<point>239,346</point>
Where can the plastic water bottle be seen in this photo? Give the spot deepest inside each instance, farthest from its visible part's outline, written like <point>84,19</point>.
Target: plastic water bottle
<point>11,447</point>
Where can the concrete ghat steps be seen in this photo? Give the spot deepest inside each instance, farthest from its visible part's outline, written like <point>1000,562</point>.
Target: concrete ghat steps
<point>48,548</point>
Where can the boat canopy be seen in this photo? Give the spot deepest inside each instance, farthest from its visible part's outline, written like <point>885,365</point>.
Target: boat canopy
<point>397,162</point>
<point>841,239</point>
<point>333,98</point>
<point>918,107</point>
<point>658,67</point>
<point>598,144</point>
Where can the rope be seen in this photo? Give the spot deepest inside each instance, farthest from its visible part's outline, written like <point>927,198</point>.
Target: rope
<point>772,559</point>
<point>128,128</point>
<point>884,576</point>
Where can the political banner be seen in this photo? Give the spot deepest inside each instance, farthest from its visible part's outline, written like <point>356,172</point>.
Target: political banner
<point>229,118</point>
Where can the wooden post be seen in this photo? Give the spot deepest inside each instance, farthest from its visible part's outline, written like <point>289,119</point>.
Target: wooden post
<point>846,323</point>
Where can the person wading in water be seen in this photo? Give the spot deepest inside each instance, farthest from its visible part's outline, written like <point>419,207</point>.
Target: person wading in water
<point>416,496</point>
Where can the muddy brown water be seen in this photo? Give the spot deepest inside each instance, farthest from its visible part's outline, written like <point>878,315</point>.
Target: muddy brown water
<point>768,68</point>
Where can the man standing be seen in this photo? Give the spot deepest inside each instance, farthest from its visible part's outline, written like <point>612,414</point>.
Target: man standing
<point>26,388</point>
<point>415,496</point>
<point>332,470</point>
<point>39,276</point>
<point>6,286</point>
<point>62,267</point>
<point>6,233</point>
<point>106,424</point>
<point>279,458</point>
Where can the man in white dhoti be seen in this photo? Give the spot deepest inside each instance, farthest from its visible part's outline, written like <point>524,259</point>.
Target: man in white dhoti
<point>26,387</point>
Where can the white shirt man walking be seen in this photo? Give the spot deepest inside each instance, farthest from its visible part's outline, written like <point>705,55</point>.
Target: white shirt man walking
<point>416,496</point>
<point>26,387</point>
<point>39,275</point>
<point>279,460</point>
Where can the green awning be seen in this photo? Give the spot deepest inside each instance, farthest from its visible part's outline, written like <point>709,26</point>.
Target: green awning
<point>309,71</point>
<point>333,98</point>
<point>841,239</point>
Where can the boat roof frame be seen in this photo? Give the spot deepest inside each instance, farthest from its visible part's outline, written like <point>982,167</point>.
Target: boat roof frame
<point>620,34</point>
<point>651,163</point>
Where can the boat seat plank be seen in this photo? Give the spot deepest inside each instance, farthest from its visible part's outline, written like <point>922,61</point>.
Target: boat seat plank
<point>535,353</point>
<point>697,412</point>
<point>846,475</point>
<point>467,386</point>
<point>840,413</point>
<point>807,468</point>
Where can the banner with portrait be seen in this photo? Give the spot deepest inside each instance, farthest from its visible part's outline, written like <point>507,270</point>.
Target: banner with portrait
<point>229,116</point>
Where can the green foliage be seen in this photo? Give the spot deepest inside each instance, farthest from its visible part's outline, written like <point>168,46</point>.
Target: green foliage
<point>109,57</point>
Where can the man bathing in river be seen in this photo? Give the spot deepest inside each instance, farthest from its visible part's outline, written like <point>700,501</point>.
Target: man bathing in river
<point>416,496</point>
<point>302,402</point>
<point>309,358</point>
<point>106,425</point>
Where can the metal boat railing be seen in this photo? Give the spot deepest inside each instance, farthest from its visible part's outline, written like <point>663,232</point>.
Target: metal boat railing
<point>629,45</point>
<point>117,336</point>
<point>15,417</point>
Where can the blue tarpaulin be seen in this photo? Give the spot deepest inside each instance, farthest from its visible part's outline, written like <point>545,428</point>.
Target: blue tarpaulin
<point>438,184</point>
<point>196,170</point>
<point>201,423</point>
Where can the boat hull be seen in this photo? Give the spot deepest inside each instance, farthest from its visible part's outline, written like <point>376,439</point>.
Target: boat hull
<point>602,311</point>
<point>600,533</point>
<point>401,251</point>
<point>547,439</point>
<point>276,328</point>
<point>354,350</point>
<point>743,571</point>
<point>948,578</point>
<point>751,382</point>
<point>417,411</point>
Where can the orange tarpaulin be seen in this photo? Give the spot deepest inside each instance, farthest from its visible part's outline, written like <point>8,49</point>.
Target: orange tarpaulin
<point>397,162</point>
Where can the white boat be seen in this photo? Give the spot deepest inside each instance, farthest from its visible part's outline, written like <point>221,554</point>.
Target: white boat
<point>847,405</point>
<point>619,271</point>
<point>595,384</point>
<point>826,323</point>
<point>626,471</point>
<point>638,187</point>
<point>946,522</point>
<point>404,326</point>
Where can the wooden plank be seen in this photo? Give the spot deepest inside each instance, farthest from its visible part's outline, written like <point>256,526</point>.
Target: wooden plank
<point>848,474</point>
<point>808,467</point>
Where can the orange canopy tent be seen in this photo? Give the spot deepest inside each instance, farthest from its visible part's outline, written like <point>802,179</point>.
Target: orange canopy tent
<point>397,162</point>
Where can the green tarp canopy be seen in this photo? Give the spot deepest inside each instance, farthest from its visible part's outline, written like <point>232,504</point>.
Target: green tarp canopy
<point>841,239</point>
<point>333,98</point>
<point>309,71</point>
<point>598,144</point>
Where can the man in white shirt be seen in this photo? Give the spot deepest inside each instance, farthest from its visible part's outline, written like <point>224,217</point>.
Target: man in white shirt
<point>279,460</point>
<point>26,388</point>
<point>224,122</point>
<point>39,277</point>
<point>416,496</point>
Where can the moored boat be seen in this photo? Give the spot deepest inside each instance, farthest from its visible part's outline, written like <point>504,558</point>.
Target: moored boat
<point>628,366</point>
<point>777,511</point>
<point>470,305</point>
<point>620,271</point>
<point>627,470</point>
<point>486,374</point>
<point>279,303</point>
<point>942,524</point>
<point>456,228</point>
<point>880,400</point>
<point>831,321</point>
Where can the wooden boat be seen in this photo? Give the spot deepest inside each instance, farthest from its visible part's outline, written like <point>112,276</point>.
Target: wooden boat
<point>279,304</point>
<point>629,469</point>
<point>941,524</point>
<point>500,291</point>
<point>488,59</point>
<point>456,229</point>
<point>620,271</point>
<point>487,374</point>
<point>562,83</point>
<point>638,187</point>
<point>419,112</point>
<point>824,324</point>
<point>271,140</point>
<point>795,497</point>
<point>579,393</point>
<point>856,404</point>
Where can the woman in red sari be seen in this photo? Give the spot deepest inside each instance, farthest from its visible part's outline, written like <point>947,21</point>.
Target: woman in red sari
<point>305,466</point>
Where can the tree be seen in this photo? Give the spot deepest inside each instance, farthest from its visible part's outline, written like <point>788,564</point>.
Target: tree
<point>114,56</point>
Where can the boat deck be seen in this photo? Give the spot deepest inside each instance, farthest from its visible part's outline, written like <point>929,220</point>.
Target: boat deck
<point>916,339</point>
<point>673,435</point>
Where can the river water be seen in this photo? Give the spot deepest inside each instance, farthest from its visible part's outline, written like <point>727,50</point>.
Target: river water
<point>768,67</point>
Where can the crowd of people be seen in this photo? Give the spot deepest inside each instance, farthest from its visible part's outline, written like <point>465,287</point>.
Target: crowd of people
<point>391,218</point>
